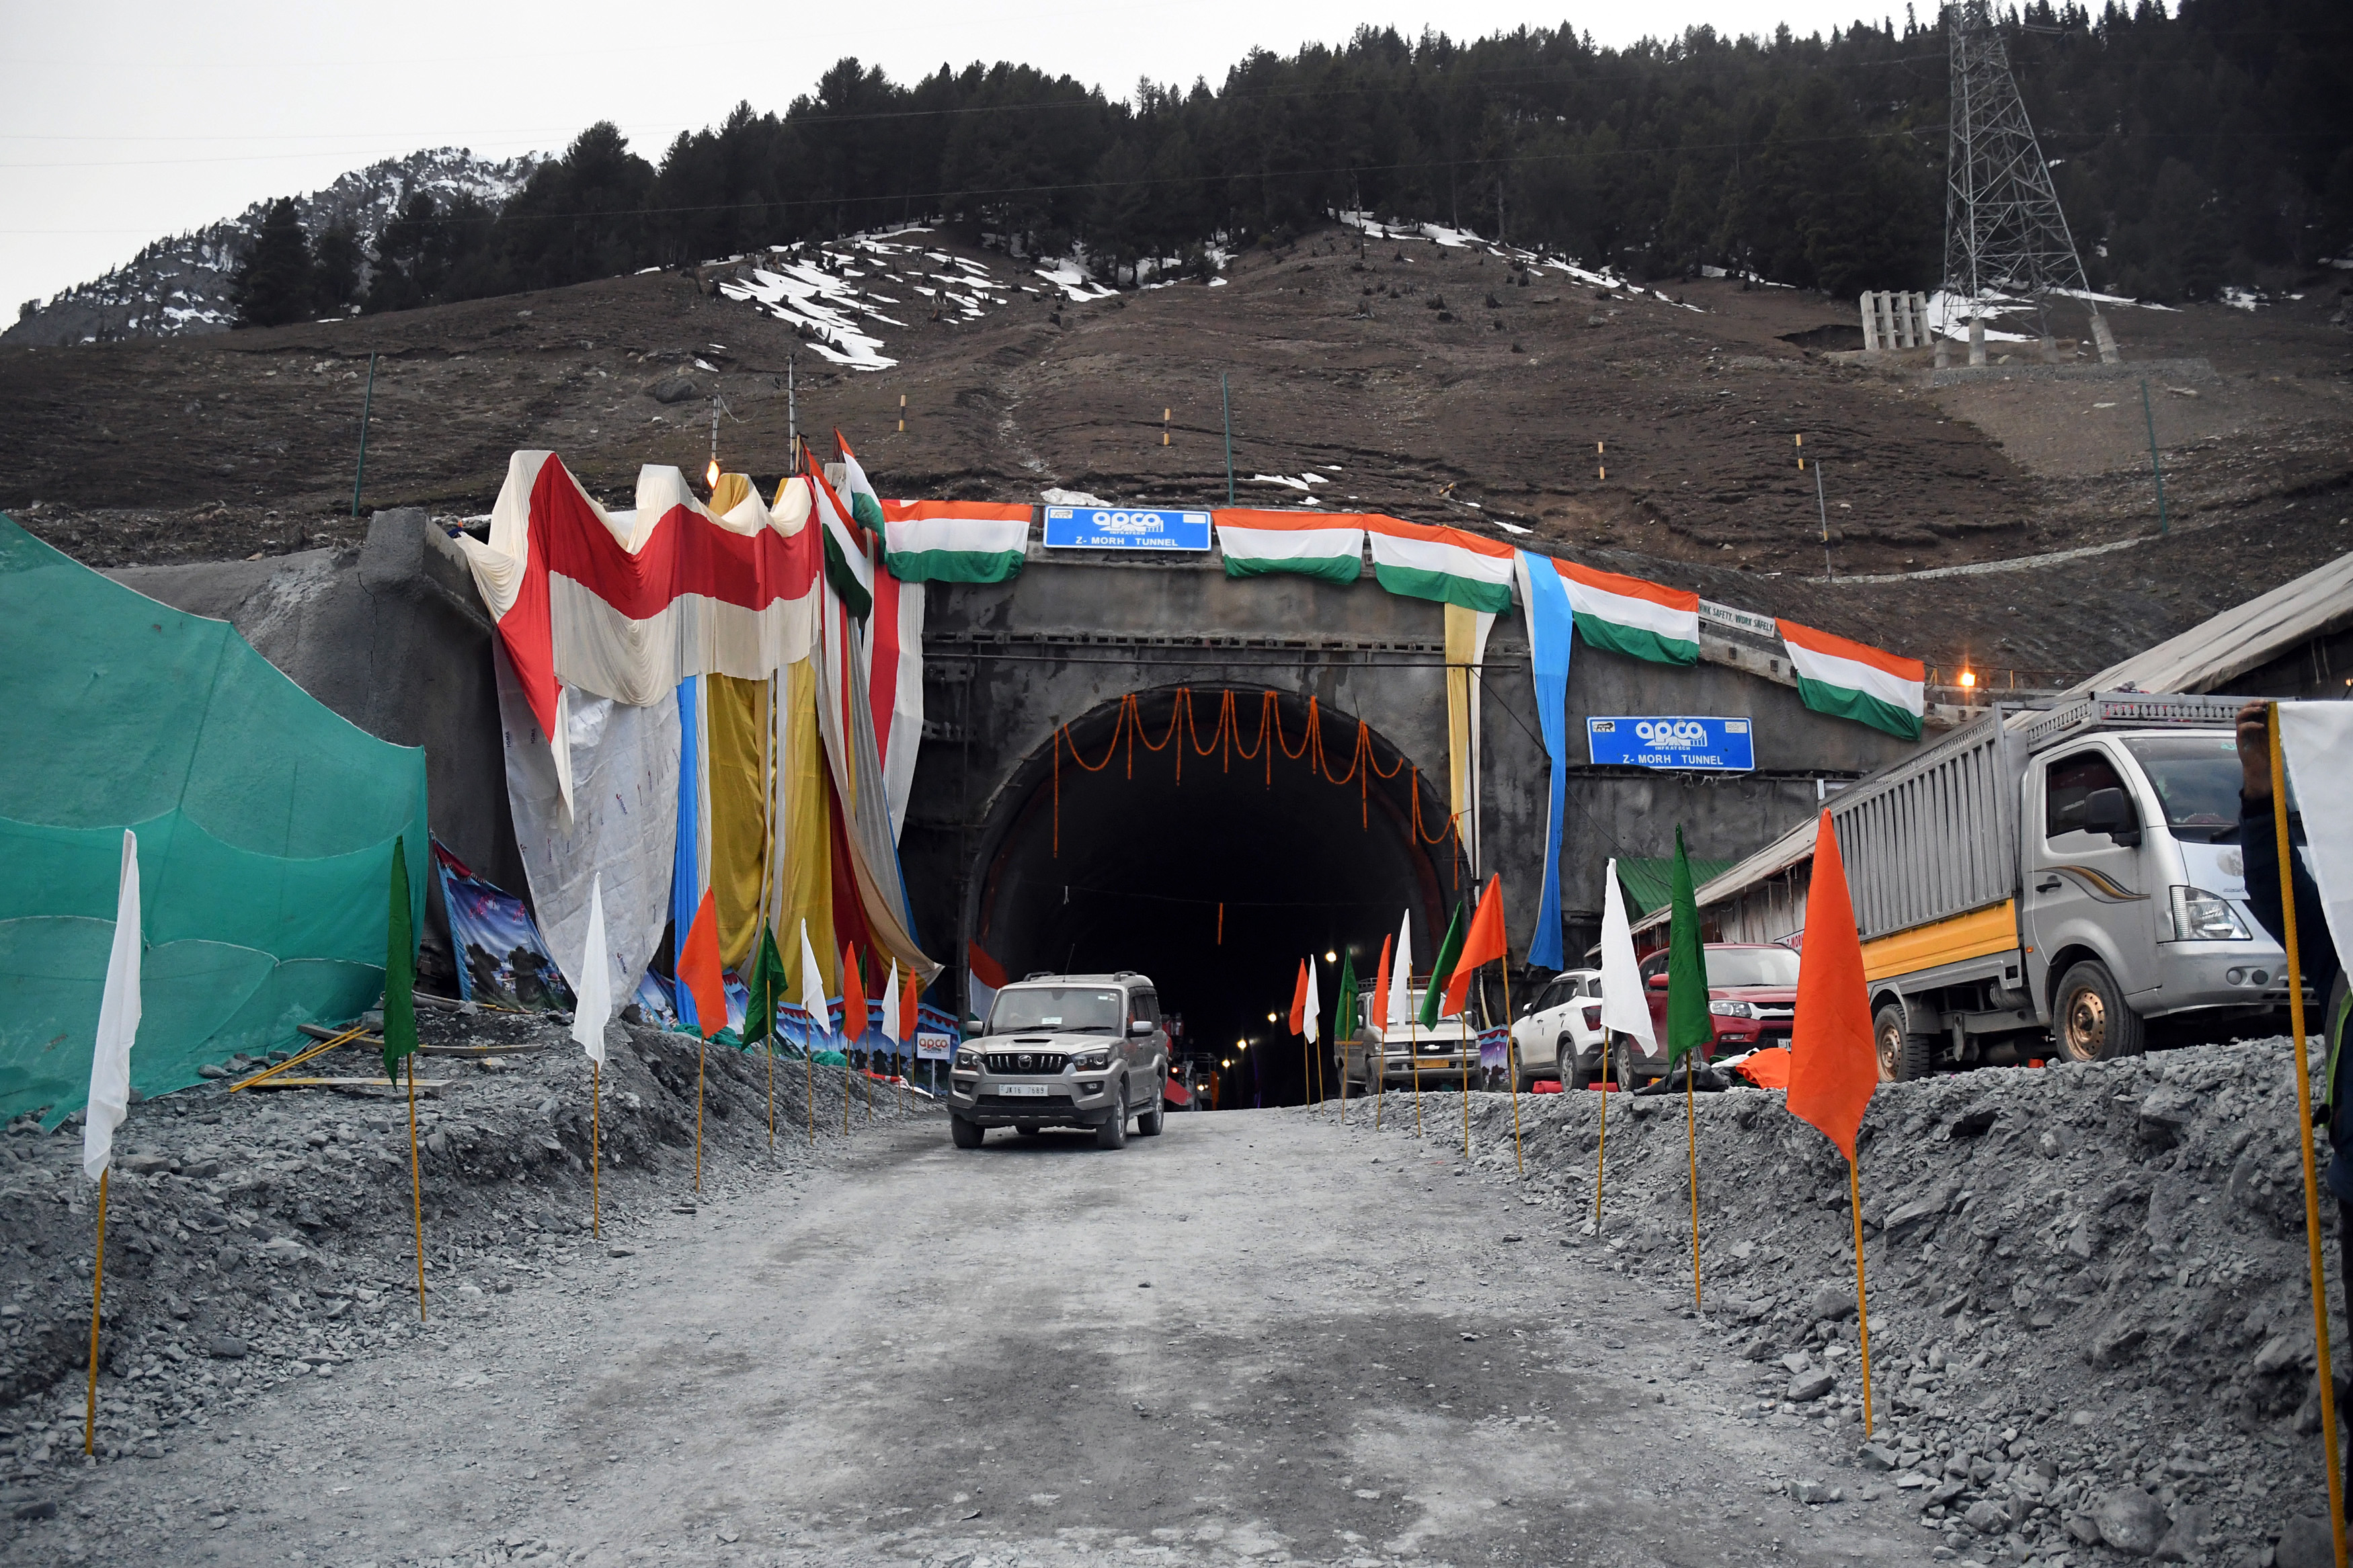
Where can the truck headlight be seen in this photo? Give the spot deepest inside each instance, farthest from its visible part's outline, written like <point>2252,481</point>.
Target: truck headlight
<point>1091,1061</point>
<point>1731,1009</point>
<point>2202,915</point>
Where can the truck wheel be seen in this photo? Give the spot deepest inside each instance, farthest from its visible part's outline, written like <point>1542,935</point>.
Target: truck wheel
<point>1903,1056</point>
<point>2089,1020</point>
<point>967,1134</point>
<point>1112,1132</point>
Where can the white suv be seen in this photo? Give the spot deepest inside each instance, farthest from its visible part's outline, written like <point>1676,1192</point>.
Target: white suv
<point>1063,1050</point>
<point>1559,1031</point>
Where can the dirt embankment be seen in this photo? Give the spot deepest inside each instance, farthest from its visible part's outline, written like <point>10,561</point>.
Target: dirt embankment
<point>2089,1308</point>
<point>1651,430</point>
<point>263,1236</point>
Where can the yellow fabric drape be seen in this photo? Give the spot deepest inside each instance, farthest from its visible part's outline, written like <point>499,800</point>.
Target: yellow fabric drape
<point>1466,650</point>
<point>733,490</point>
<point>737,727</point>
<point>802,879</point>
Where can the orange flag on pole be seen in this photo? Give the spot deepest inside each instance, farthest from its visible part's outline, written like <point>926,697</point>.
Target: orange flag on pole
<point>1834,1059</point>
<point>699,970</point>
<point>1483,944</point>
<point>853,997</point>
<point>1299,1001</point>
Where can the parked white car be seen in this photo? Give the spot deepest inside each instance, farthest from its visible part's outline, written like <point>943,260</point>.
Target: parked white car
<point>1558,1031</point>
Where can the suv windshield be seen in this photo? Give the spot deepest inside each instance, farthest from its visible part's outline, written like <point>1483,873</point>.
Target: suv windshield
<point>2197,782</point>
<point>1066,1010</point>
<point>1751,966</point>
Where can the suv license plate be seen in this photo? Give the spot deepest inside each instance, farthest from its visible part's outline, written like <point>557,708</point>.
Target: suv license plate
<point>1035,1090</point>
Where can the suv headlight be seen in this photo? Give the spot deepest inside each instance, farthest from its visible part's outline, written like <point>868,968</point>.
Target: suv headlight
<point>969,1061</point>
<point>1091,1061</point>
<point>1727,1008</point>
<point>2202,915</point>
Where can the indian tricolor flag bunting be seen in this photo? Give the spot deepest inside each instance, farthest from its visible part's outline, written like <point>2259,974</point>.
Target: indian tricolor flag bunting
<point>1267,543</point>
<point>1629,615</point>
<point>953,541</point>
<point>1442,563</point>
<point>1854,680</point>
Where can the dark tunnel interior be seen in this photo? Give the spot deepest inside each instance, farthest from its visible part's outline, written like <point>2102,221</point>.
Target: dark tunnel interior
<point>1218,883</point>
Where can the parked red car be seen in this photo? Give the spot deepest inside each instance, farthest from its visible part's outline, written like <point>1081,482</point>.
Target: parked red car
<point>1752,996</point>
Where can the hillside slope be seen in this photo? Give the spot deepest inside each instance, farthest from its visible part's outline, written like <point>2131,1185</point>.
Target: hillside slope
<point>1420,379</point>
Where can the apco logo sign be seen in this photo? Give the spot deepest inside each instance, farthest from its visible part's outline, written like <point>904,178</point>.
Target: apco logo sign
<point>1124,528</point>
<point>1678,740</point>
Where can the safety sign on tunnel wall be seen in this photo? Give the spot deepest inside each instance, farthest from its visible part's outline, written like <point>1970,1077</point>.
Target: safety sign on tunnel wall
<point>1124,528</point>
<point>1673,741</point>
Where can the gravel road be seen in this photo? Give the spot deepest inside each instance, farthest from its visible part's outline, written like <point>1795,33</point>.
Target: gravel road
<point>1258,1337</point>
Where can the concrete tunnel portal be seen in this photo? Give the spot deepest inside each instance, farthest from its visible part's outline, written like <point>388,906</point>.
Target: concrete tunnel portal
<point>1101,857</point>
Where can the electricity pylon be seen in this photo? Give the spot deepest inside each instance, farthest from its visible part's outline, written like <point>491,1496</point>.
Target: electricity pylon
<point>2003,230</point>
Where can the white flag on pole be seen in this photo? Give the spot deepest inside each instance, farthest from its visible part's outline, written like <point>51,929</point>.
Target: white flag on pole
<point>891,1009</point>
<point>1308,1025</point>
<point>595,972</point>
<point>813,992</point>
<point>1624,1007</point>
<point>117,1023</point>
<point>1400,1010</point>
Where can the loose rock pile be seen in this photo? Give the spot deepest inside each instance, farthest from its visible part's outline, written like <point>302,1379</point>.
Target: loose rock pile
<point>267,1235</point>
<point>2090,1327</point>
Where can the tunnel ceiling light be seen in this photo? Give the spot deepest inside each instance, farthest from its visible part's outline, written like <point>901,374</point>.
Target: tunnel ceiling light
<point>1330,956</point>
<point>1968,678</point>
<point>1270,1017</point>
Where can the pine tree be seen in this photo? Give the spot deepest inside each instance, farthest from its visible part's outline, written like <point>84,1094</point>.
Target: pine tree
<point>338,268</point>
<point>276,282</point>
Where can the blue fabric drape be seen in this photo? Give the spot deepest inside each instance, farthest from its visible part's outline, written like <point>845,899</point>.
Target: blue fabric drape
<point>1551,629</point>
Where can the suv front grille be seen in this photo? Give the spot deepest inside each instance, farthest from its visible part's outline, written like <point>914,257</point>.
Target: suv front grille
<point>1026,1061</point>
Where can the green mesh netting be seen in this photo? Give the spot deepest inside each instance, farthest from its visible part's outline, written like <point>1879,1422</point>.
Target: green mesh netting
<point>265,825</point>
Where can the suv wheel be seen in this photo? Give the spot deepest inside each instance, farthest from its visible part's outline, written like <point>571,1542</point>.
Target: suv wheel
<point>1112,1133</point>
<point>1149,1123</point>
<point>1572,1077</point>
<point>967,1134</point>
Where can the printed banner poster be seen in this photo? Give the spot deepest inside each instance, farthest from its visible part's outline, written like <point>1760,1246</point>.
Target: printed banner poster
<point>1673,741</point>
<point>934,1048</point>
<point>1124,528</point>
<point>500,959</point>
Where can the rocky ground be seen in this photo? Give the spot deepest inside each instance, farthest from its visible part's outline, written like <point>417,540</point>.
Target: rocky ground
<point>262,1238</point>
<point>1647,429</point>
<point>2090,1313</point>
<point>2090,1330</point>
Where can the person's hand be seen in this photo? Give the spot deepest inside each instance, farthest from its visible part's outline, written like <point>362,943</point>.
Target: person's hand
<point>2255,750</point>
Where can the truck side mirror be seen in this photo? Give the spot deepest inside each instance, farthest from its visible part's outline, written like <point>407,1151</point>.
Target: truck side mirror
<point>1658,982</point>
<point>2109,812</point>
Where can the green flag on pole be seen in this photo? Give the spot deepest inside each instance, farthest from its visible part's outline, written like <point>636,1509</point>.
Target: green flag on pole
<point>1442,969</point>
<point>1689,1024</point>
<point>767,989</point>
<point>1344,1015</point>
<point>399,968</point>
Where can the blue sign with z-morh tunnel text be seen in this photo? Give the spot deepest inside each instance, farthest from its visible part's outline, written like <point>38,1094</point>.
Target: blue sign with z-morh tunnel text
<point>1676,741</point>
<point>1124,528</point>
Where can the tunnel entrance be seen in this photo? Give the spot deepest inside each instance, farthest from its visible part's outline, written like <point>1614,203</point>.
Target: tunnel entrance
<point>1210,838</point>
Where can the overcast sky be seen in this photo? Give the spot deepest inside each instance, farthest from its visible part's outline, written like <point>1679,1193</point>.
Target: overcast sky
<point>127,121</point>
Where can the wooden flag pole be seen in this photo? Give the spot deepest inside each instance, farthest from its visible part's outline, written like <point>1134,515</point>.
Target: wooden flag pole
<point>97,1290</point>
<point>596,1154</point>
<point>1690,1132</point>
<point>1469,1057</point>
<point>1601,1163</point>
<point>769,1040</point>
<point>415,1185</point>
<point>808,1061</point>
<point>1862,1304</point>
<point>1413,1049</point>
<point>2303,1137</point>
<point>701,1050</point>
<point>1511,1070</point>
